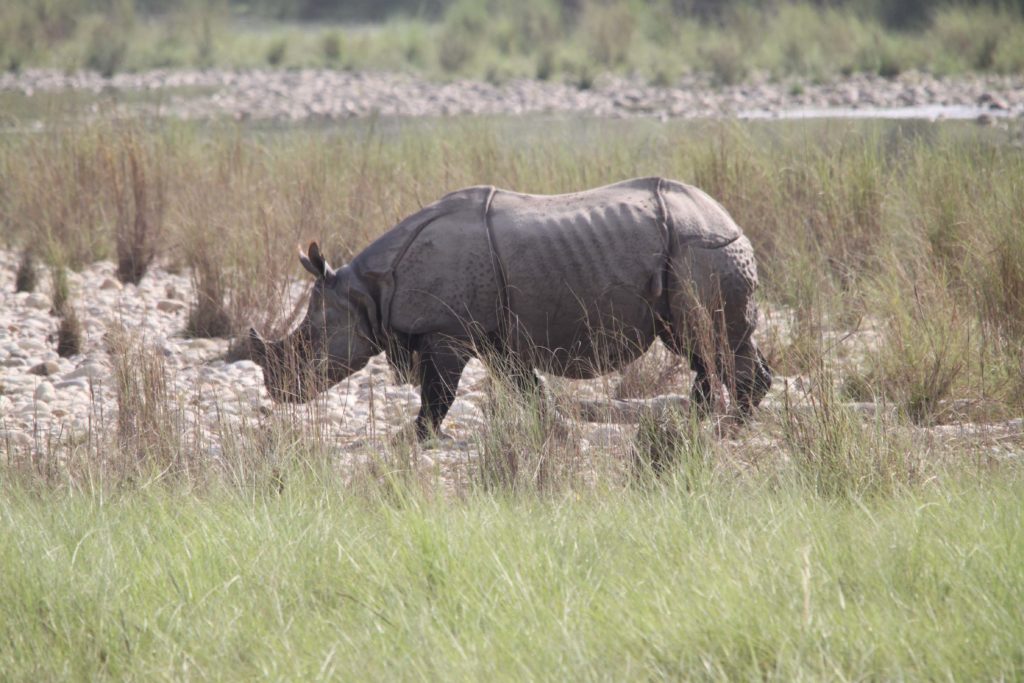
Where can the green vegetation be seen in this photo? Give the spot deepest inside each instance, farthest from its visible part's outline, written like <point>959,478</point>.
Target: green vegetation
<point>730,581</point>
<point>571,40</point>
<point>817,543</point>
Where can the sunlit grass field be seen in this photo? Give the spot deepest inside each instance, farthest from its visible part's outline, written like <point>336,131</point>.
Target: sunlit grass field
<point>818,545</point>
<point>725,580</point>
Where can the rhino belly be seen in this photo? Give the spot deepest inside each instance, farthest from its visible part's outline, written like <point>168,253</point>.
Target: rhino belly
<point>588,349</point>
<point>579,271</point>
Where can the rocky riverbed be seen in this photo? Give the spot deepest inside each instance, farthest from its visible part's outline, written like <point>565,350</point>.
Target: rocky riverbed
<point>51,406</point>
<point>318,94</point>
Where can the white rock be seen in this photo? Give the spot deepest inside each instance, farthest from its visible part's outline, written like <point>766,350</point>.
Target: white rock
<point>45,392</point>
<point>16,438</point>
<point>111,283</point>
<point>32,346</point>
<point>88,370</point>
<point>33,412</point>
<point>80,383</point>
<point>38,300</point>
<point>45,369</point>
<point>170,305</point>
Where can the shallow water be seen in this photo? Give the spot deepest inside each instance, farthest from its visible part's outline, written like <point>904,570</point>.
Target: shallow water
<point>929,112</point>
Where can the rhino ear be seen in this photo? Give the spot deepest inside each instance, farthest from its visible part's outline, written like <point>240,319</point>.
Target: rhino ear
<point>316,263</point>
<point>307,264</point>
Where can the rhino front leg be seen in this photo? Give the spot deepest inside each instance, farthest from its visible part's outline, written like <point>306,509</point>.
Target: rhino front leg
<point>441,365</point>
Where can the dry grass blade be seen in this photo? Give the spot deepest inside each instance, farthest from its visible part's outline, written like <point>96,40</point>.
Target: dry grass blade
<point>139,188</point>
<point>151,430</point>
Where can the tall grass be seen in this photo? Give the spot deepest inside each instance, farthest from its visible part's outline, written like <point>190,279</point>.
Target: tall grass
<point>731,581</point>
<point>814,543</point>
<point>893,229</point>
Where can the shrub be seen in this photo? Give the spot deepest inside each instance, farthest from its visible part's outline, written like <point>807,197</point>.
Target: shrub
<point>545,65</point>
<point>150,428</point>
<point>330,45</point>
<point>672,443</point>
<point>837,455</point>
<point>276,52</point>
<point>106,50</point>
<point>456,50</point>
<point>725,59</point>
<point>608,33</point>
<point>208,316</point>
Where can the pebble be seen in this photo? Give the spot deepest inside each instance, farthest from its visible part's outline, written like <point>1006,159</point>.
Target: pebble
<point>45,369</point>
<point>325,94</point>
<point>38,301</point>
<point>171,305</point>
<point>82,384</point>
<point>16,439</point>
<point>110,283</point>
<point>45,392</point>
<point>89,370</point>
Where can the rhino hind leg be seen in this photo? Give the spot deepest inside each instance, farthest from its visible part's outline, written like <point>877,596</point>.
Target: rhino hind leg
<point>713,317</point>
<point>753,378</point>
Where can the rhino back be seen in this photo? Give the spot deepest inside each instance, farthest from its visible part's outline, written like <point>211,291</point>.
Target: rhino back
<point>445,278</point>
<point>695,218</point>
<point>580,261</point>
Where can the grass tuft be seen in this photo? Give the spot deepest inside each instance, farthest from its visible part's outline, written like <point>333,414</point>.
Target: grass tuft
<point>69,333</point>
<point>26,279</point>
<point>139,187</point>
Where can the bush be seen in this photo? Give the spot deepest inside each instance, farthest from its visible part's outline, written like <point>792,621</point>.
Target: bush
<point>330,45</point>
<point>725,59</point>
<point>608,33</point>
<point>276,52</point>
<point>106,50</point>
<point>456,49</point>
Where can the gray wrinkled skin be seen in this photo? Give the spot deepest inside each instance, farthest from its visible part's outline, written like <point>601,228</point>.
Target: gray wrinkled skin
<point>576,285</point>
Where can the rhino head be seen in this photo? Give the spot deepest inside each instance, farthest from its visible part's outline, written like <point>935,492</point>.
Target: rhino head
<point>334,340</point>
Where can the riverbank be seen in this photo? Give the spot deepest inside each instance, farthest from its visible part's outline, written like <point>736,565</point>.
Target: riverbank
<point>325,94</point>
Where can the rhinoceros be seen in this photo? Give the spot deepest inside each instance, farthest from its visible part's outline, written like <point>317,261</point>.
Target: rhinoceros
<point>574,285</point>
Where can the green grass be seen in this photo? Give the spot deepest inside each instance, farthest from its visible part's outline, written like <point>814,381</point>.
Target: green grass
<point>658,40</point>
<point>817,545</point>
<point>734,581</point>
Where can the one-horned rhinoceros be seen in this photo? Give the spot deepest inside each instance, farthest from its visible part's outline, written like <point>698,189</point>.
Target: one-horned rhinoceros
<point>575,285</point>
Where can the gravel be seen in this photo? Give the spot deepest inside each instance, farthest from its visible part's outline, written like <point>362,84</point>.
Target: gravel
<point>321,94</point>
<point>47,402</point>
